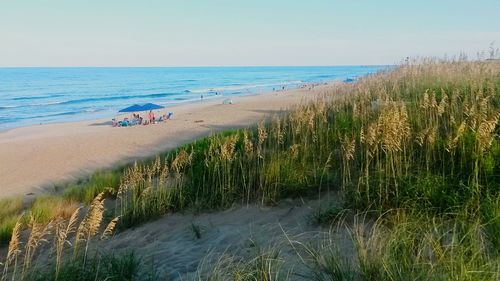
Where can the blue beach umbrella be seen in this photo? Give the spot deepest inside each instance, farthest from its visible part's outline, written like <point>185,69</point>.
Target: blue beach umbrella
<point>133,108</point>
<point>151,106</point>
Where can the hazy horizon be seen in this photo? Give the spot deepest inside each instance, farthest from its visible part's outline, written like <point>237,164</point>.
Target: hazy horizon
<point>129,33</point>
<point>202,66</point>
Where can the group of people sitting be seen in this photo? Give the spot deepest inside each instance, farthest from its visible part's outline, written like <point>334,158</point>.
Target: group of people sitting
<point>139,120</point>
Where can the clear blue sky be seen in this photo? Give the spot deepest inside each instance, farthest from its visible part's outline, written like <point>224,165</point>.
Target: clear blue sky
<point>240,32</point>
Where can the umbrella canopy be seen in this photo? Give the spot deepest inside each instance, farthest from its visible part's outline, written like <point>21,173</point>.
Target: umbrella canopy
<point>151,106</point>
<point>133,108</point>
<point>136,107</point>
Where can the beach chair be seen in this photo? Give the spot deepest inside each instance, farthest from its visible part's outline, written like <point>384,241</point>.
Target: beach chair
<point>125,122</point>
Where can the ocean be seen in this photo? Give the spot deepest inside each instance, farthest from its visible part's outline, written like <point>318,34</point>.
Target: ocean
<point>30,96</point>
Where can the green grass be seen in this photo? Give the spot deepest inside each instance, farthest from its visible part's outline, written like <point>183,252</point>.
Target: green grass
<point>103,268</point>
<point>47,208</point>
<point>328,215</point>
<point>6,226</point>
<point>260,264</point>
<point>102,181</point>
<point>417,246</point>
<point>10,212</point>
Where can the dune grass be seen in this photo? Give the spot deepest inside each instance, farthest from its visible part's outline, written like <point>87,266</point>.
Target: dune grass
<point>48,208</point>
<point>10,212</point>
<point>417,147</point>
<point>87,190</point>
<point>108,267</point>
<point>261,264</point>
<point>68,237</point>
<point>404,245</point>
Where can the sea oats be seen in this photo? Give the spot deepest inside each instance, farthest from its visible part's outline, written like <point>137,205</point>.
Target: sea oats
<point>227,148</point>
<point>182,159</point>
<point>443,104</point>
<point>92,220</point>
<point>348,146</point>
<point>13,251</point>
<point>37,235</point>
<point>15,243</point>
<point>262,133</point>
<point>248,143</point>
<point>485,133</point>
<point>110,228</point>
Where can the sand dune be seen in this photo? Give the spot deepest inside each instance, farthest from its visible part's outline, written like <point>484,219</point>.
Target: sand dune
<point>35,158</point>
<point>236,233</point>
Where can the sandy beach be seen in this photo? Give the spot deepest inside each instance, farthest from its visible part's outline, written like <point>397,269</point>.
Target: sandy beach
<point>34,158</point>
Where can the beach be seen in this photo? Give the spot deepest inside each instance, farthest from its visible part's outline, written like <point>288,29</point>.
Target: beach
<point>35,158</point>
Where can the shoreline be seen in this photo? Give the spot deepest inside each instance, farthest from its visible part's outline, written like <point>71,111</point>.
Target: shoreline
<point>33,159</point>
<point>179,104</point>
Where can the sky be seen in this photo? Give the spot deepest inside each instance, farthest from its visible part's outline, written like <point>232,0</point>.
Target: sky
<point>241,32</point>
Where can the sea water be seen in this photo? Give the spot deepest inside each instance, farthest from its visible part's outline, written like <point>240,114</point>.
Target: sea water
<point>30,96</point>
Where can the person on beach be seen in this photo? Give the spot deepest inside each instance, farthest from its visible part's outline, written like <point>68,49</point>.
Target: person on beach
<point>151,117</point>
<point>135,119</point>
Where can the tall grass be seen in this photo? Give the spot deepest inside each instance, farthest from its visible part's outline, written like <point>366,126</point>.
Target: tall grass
<point>87,190</point>
<point>262,264</point>
<point>107,267</point>
<point>403,245</point>
<point>47,208</point>
<point>54,236</point>
<point>10,211</point>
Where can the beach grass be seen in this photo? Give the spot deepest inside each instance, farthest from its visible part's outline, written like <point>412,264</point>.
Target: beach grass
<point>87,190</point>
<point>417,148</point>
<point>48,208</point>
<point>10,211</point>
<point>110,267</point>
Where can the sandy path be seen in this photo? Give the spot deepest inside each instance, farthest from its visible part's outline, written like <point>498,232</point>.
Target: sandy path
<point>35,158</point>
<point>240,232</point>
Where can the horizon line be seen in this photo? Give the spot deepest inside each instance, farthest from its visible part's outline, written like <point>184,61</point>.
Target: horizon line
<point>190,66</point>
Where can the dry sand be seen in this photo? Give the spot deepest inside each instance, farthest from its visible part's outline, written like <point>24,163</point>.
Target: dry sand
<point>234,234</point>
<point>33,159</point>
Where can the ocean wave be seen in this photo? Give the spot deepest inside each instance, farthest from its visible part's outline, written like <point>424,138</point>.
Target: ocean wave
<point>121,97</point>
<point>48,96</point>
<point>31,105</point>
<point>65,113</point>
<point>326,76</point>
<point>86,100</point>
<point>7,106</point>
<point>244,87</point>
